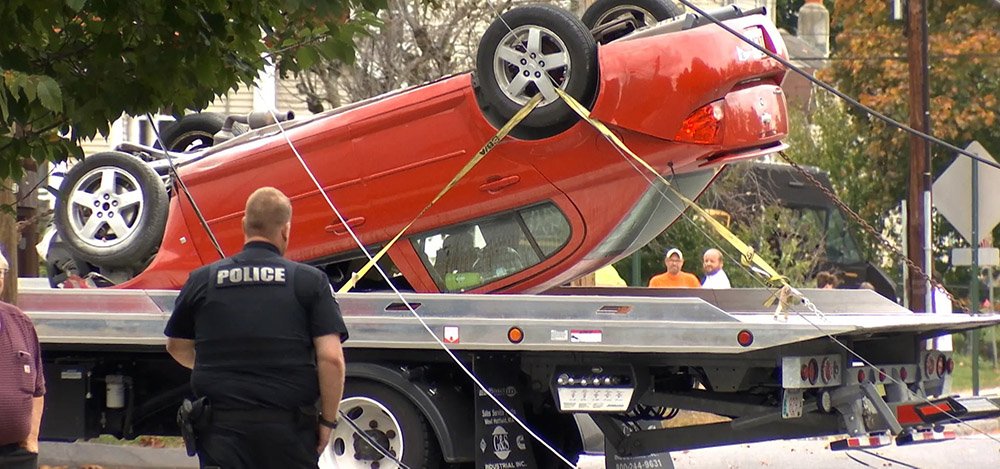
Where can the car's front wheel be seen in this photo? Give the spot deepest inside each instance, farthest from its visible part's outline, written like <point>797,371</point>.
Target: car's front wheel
<point>112,210</point>
<point>533,50</point>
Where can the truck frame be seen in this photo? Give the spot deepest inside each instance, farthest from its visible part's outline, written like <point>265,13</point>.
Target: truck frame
<point>599,360</point>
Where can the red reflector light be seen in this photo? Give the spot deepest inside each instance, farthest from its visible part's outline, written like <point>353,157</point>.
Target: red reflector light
<point>744,338</point>
<point>881,374</point>
<point>903,374</point>
<point>703,125</point>
<point>861,375</point>
<point>940,365</point>
<point>950,366</point>
<point>933,409</point>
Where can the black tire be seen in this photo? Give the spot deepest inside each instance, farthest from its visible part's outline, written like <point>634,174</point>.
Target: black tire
<point>563,38</point>
<point>135,204</point>
<point>643,13</point>
<point>365,402</point>
<point>191,132</point>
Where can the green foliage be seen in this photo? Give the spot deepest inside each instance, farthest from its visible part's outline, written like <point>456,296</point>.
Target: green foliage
<point>71,67</point>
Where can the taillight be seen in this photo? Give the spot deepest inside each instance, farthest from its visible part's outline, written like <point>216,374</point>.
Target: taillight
<point>703,125</point>
<point>940,365</point>
<point>950,366</point>
<point>861,375</point>
<point>881,374</point>
<point>930,365</point>
<point>903,374</point>
<point>827,370</point>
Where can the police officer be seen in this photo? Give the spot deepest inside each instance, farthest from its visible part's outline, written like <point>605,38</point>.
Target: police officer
<point>262,336</point>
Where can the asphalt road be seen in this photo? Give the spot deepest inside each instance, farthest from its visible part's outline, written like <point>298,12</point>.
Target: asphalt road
<point>968,452</point>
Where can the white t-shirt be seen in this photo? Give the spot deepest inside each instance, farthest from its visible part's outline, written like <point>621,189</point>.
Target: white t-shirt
<point>717,280</point>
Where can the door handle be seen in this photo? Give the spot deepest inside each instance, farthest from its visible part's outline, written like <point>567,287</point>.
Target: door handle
<point>495,184</point>
<point>338,228</point>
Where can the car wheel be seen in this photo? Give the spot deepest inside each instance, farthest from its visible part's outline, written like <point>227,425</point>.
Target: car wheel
<point>634,14</point>
<point>191,132</point>
<point>530,50</point>
<point>387,418</point>
<point>111,210</point>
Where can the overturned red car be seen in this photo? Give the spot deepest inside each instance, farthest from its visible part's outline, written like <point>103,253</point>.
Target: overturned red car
<point>551,202</point>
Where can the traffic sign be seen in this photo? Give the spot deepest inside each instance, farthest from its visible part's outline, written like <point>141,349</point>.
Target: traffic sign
<point>953,194</point>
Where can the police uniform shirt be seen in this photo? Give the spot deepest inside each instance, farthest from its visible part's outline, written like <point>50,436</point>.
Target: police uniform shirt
<point>253,317</point>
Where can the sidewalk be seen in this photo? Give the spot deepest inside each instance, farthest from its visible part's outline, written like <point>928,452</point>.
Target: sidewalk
<point>96,455</point>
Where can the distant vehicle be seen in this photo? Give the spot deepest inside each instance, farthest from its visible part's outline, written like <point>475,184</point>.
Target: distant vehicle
<point>552,203</point>
<point>784,186</point>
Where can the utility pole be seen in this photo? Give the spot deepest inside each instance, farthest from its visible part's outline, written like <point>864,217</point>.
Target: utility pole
<point>918,198</point>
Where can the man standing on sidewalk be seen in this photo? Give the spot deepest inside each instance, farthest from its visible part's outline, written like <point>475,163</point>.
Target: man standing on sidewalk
<point>22,386</point>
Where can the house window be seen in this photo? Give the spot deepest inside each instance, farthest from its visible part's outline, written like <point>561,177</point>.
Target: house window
<point>466,256</point>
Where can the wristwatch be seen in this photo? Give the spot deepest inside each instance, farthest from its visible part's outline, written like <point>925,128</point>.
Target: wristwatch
<point>326,423</point>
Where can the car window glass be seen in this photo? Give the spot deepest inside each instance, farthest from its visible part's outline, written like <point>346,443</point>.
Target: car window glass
<point>465,256</point>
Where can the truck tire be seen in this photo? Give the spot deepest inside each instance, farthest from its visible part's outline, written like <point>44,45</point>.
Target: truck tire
<point>529,50</point>
<point>641,12</point>
<point>112,210</point>
<point>389,419</point>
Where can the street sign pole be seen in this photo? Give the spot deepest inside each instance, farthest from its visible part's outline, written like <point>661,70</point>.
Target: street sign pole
<point>974,281</point>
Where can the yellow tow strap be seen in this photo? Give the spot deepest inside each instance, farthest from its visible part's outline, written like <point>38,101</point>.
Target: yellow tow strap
<point>490,144</point>
<point>747,255</point>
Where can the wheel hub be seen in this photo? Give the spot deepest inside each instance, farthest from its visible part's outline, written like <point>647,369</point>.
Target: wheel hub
<point>529,60</point>
<point>352,450</point>
<point>106,205</point>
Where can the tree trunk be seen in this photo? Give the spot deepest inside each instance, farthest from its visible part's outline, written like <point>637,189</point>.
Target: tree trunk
<point>8,239</point>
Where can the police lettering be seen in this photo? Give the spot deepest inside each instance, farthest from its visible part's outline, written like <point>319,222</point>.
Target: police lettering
<point>250,275</point>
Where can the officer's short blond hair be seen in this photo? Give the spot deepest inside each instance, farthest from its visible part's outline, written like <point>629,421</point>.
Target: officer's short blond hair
<point>267,212</point>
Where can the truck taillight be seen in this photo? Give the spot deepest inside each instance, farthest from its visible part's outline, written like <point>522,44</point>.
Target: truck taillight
<point>704,125</point>
<point>940,365</point>
<point>950,366</point>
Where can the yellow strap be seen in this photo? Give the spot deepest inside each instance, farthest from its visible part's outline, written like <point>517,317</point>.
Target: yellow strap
<point>490,144</point>
<point>747,254</point>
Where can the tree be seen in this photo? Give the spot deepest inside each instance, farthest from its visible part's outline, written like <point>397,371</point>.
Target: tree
<point>414,42</point>
<point>70,67</point>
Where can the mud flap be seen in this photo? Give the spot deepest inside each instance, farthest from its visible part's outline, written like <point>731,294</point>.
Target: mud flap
<point>501,442</point>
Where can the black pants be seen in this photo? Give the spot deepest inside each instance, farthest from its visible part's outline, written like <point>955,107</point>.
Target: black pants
<point>245,445</point>
<point>16,457</point>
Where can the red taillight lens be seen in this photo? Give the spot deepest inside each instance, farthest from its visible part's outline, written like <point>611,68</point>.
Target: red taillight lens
<point>929,366</point>
<point>903,374</point>
<point>940,365</point>
<point>861,375</point>
<point>827,370</point>
<point>881,374</point>
<point>950,366</point>
<point>703,125</point>
<point>813,371</point>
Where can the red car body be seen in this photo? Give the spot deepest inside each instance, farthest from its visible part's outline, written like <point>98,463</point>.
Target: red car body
<point>381,161</point>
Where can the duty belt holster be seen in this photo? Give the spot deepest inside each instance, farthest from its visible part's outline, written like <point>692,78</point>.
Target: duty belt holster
<point>192,416</point>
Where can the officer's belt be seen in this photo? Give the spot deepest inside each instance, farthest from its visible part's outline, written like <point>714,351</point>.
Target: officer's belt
<point>260,415</point>
<point>262,352</point>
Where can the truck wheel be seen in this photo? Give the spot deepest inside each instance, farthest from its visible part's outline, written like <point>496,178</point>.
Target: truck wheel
<point>111,210</point>
<point>638,13</point>
<point>191,132</point>
<point>530,50</point>
<point>389,419</point>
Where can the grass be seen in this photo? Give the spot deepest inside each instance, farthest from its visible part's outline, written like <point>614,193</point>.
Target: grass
<point>144,441</point>
<point>989,377</point>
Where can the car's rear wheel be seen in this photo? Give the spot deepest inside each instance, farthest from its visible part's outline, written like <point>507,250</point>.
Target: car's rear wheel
<point>530,50</point>
<point>112,210</point>
<point>191,132</point>
<point>632,14</point>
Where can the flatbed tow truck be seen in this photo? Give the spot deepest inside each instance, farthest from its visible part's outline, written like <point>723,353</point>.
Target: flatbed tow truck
<point>597,359</point>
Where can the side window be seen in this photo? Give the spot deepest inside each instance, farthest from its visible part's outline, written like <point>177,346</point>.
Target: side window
<point>463,257</point>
